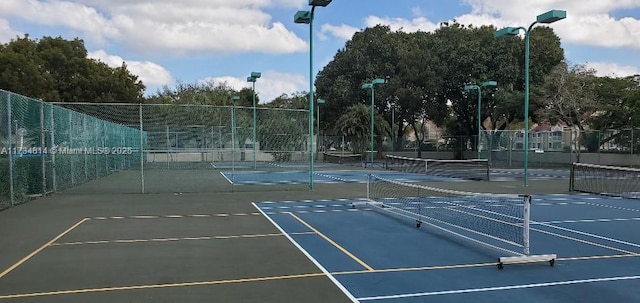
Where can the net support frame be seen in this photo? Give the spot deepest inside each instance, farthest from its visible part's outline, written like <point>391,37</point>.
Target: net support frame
<point>515,258</point>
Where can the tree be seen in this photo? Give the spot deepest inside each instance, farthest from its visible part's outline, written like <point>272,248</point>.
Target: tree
<point>427,73</point>
<point>370,54</point>
<point>568,95</point>
<point>619,111</point>
<point>54,69</point>
<point>355,123</point>
<point>472,55</point>
<point>297,100</point>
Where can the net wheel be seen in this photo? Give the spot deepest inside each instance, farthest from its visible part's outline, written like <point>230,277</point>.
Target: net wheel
<point>418,224</point>
<point>500,266</point>
<point>552,262</point>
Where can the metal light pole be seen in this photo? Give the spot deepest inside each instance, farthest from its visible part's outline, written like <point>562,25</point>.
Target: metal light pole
<point>371,86</point>
<point>306,17</point>
<point>546,18</point>
<point>479,88</point>
<point>254,76</point>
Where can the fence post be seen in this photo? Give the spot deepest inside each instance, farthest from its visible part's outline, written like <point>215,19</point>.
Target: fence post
<point>10,139</point>
<point>53,146</point>
<point>141,151</point>
<point>71,155</point>
<point>43,133</point>
<point>86,145</point>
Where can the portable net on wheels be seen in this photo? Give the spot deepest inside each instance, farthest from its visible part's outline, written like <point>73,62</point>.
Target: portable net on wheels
<point>606,180</point>
<point>496,221</point>
<point>471,169</point>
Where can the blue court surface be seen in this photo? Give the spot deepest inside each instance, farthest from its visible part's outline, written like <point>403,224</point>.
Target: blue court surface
<point>376,257</point>
<point>322,176</point>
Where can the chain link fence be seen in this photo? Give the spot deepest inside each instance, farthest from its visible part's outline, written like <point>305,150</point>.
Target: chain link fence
<point>134,148</point>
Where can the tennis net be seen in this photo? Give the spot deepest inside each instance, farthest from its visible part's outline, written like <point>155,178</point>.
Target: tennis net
<point>605,180</point>
<point>497,221</point>
<point>351,159</point>
<point>472,169</point>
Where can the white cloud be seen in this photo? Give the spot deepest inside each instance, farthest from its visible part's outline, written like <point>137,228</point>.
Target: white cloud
<point>342,31</point>
<point>396,24</point>
<point>271,85</point>
<point>589,22</point>
<point>406,25</point>
<point>172,27</point>
<point>6,32</point>
<point>613,69</point>
<point>150,73</point>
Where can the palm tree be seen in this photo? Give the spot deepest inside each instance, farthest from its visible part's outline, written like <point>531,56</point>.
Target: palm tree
<point>355,124</point>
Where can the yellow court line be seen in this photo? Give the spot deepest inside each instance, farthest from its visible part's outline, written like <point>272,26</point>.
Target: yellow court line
<point>342,249</point>
<point>423,268</point>
<point>8,270</point>
<point>471,265</point>
<point>155,286</point>
<point>128,241</point>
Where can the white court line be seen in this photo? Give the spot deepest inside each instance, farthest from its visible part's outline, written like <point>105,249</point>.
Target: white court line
<point>311,258</point>
<point>591,220</point>
<point>587,234</point>
<point>225,176</point>
<point>485,289</point>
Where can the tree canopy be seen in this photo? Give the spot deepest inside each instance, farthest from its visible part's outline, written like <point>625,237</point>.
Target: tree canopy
<point>58,70</point>
<point>428,71</point>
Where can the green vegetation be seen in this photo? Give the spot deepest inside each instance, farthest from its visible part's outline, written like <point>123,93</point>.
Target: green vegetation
<point>58,70</point>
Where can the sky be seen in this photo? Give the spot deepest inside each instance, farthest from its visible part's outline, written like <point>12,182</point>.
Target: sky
<point>166,42</point>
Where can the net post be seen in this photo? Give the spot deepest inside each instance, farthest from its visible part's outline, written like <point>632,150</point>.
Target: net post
<point>571,177</point>
<point>369,187</point>
<point>488,167</point>
<point>526,224</point>
<point>10,140</point>
<point>426,167</point>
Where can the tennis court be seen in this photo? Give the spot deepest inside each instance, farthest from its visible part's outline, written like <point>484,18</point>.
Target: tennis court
<point>381,258</point>
<point>292,245</point>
